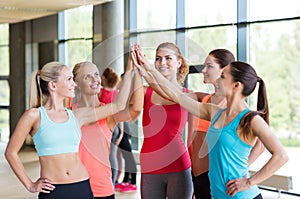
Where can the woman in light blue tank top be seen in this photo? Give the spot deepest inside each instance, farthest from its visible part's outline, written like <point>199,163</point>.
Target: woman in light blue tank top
<point>233,130</point>
<point>56,133</point>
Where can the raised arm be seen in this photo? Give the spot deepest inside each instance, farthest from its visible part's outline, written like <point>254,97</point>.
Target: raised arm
<point>86,115</point>
<point>146,75</point>
<point>174,93</point>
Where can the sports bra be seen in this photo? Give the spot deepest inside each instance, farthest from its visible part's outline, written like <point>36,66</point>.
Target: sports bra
<point>56,138</point>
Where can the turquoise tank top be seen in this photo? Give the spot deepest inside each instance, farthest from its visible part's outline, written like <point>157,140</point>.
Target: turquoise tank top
<point>228,158</point>
<point>56,138</point>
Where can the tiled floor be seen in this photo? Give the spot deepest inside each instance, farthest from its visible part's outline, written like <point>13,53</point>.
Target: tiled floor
<point>11,188</point>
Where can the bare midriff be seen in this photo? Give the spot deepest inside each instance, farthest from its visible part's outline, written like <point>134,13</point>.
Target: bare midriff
<point>63,168</point>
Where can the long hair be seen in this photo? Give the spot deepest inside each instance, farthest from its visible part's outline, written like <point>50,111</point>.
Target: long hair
<point>183,70</point>
<point>38,88</point>
<point>245,73</point>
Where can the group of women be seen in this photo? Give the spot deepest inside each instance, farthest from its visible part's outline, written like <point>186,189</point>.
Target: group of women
<point>73,145</point>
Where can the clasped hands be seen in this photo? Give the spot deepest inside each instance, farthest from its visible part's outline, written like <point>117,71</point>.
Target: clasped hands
<point>139,60</point>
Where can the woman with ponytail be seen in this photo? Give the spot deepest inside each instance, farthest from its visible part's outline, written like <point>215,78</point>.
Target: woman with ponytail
<point>56,133</point>
<point>233,130</point>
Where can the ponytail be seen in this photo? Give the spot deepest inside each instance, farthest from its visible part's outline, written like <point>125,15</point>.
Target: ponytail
<point>35,99</point>
<point>262,109</point>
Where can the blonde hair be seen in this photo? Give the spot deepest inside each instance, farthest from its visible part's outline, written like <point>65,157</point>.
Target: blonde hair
<point>76,71</point>
<point>78,66</point>
<point>183,70</point>
<point>38,88</point>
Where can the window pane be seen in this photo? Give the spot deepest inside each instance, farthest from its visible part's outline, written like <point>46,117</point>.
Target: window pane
<point>270,9</point>
<point>4,34</point>
<point>275,50</point>
<point>202,41</point>
<point>4,60</point>
<point>150,41</point>
<point>156,14</point>
<point>4,125</point>
<point>79,22</point>
<point>203,12</point>
<point>78,51</point>
<point>195,83</point>
<point>4,94</point>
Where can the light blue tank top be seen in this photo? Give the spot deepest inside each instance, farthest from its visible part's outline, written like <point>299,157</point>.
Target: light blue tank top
<point>228,158</point>
<point>56,138</point>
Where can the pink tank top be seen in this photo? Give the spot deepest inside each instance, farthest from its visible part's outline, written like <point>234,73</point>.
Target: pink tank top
<point>163,149</point>
<point>108,96</point>
<point>94,150</point>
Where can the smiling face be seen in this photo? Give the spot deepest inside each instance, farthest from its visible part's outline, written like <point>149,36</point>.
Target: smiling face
<point>167,63</point>
<point>65,84</point>
<point>88,79</point>
<point>211,71</point>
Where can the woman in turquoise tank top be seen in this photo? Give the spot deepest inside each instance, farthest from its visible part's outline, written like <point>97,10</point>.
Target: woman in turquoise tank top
<point>56,133</point>
<point>235,126</point>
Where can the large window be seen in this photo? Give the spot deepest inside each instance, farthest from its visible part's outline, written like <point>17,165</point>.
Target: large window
<point>156,14</point>
<point>76,38</point>
<point>203,12</point>
<point>268,9</point>
<point>271,40</point>
<point>275,50</point>
<point>4,94</point>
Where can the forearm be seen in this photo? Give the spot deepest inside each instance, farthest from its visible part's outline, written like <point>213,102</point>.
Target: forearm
<point>137,98</point>
<point>19,170</point>
<point>276,162</point>
<point>122,98</point>
<point>163,86</point>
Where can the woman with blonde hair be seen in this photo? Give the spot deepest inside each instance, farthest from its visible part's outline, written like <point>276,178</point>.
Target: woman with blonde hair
<point>56,134</point>
<point>164,159</point>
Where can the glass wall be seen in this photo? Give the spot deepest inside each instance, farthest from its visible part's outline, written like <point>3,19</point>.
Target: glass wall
<point>76,37</point>
<point>275,50</point>
<point>272,41</point>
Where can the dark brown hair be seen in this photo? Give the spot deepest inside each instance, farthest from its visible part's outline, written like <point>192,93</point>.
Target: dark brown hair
<point>245,74</point>
<point>222,56</point>
<point>112,78</point>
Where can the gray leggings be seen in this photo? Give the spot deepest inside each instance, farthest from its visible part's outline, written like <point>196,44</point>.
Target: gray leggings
<point>172,185</point>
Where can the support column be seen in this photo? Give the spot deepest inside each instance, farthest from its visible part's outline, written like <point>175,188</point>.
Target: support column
<point>110,48</point>
<point>17,73</point>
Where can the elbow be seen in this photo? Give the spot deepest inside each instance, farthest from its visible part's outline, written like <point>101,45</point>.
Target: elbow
<point>8,154</point>
<point>134,115</point>
<point>284,157</point>
<point>120,106</point>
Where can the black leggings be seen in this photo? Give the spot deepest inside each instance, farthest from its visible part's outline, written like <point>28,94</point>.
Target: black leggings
<point>77,190</point>
<point>106,197</point>
<point>126,150</point>
<point>259,196</point>
<point>201,186</point>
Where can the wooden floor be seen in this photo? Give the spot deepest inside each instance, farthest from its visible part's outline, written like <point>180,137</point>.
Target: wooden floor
<point>11,188</point>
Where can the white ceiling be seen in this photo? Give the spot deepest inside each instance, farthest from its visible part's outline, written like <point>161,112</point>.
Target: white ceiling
<point>12,11</point>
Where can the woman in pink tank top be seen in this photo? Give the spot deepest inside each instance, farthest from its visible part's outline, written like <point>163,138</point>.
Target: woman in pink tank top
<point>165,162</point>
<point>96,137</point>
